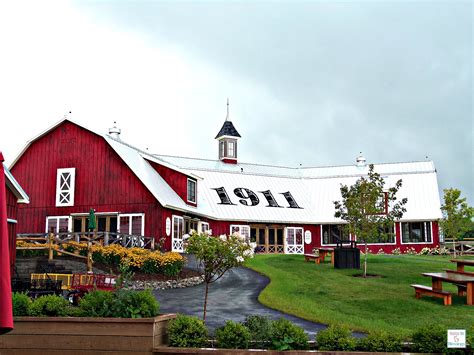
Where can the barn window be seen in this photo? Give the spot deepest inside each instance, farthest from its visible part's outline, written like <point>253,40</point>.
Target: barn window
<point>65,181</point>
<point>242,230</point>
<point>191,191</point>
<point>57,224</point>
<point>204,227</point>
<point>416,232</point>
<point>132,223</point>
<point>386,235</point>
<point>332,233</point>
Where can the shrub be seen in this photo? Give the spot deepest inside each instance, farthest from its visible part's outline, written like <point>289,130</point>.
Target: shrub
<point>233,336</point>
<point>336,337</point>
<point>151,266</point>
<point>288,336</point>
<point>119,304</point>
<point>380,342</point>
<point>432,338</point>
<point>172,268</point>
<point>97,304</point>
<point>470,337</point>
<point>21,304</point>
<point>260,328</point>
<point>50,306</point>
<point>134,304</point>
<point>187,332</point>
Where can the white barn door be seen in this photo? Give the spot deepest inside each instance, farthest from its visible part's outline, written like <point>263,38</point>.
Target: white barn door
<point>177,243</point>
<point>294,240</point>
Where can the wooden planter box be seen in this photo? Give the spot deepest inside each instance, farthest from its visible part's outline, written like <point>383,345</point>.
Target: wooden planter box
<point>78,335</point>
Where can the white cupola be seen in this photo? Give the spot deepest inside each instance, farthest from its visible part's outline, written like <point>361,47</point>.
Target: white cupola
<point>227,138</point>
<point>360,160</point>
<point>114,132</point>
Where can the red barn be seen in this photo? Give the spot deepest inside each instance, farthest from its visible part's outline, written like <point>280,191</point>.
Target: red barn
<point>14,195</point>
<point>69,169</point>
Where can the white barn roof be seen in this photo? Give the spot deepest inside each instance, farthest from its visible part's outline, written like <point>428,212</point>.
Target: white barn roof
<point>314,189</point>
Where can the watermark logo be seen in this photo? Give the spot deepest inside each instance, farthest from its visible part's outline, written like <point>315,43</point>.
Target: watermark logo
<point>456,338</point>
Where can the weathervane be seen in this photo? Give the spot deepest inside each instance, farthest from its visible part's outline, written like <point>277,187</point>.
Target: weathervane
<point>227,117</point>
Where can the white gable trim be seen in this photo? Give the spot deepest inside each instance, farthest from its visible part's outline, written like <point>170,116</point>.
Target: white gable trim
<point>15,187</point>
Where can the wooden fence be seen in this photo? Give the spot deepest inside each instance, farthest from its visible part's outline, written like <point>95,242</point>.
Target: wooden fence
<point>54,242</point>
<point>461,247</point>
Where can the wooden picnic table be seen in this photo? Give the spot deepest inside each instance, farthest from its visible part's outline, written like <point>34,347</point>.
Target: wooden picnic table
<point>325,251</point>
<point>461,280</point>
<point>321,256</point>
<point>460,263</point>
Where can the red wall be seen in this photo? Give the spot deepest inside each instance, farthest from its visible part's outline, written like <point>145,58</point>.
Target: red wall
<point>103,181</point>
<point>12,213</point>
<point>12,207</point>
<point>222,227</point>
<point>176,180</point>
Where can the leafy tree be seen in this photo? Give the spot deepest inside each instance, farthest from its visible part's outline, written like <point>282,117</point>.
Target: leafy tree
<point>217,255</point>
<point>369,209</point>
<point>457,215</point>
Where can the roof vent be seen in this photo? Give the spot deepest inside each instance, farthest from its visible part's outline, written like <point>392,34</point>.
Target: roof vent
<point>114,132</point>
<point>360,160</point>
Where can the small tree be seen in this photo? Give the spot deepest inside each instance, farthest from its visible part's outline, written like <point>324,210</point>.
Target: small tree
<point>457,215</point>
<point>369,209</point>
<point>217,255</point>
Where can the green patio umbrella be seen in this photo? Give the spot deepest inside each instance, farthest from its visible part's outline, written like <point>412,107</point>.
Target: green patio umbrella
<point>91,225</point>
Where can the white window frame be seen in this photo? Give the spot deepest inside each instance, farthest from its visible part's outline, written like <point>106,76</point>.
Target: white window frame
<point>69,221</point>
<point>394,237</point>
<point>222,149</point>
<point>129,216</point>
<point>240,227</point>
<point>330,224</point>
<point>195,190</point>
<point>294,248</point>
<point>71,190</point>
<point>201,227</point>
<point>231,149</point>
<point>417,243</point>
<point>177,243</point>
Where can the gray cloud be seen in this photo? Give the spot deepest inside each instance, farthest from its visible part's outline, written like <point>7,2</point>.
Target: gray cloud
<point>391,79</point>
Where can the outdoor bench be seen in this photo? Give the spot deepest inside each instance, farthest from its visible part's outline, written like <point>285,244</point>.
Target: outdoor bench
<point>421,290</point>
<point>311,257</point>
<point>461,288</point>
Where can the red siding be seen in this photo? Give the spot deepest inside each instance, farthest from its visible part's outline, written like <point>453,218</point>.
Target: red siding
<point>103,181</point>
<point>176,180</point>
<point>12,207</point>
<point>229,161</point>
<point>12,213</point>
<point>12,245</point>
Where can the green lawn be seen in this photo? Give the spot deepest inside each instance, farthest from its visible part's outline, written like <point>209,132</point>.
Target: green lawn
<point>323,294</point>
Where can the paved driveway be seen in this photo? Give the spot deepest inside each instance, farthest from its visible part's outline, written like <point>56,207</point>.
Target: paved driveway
<point>233,297</point>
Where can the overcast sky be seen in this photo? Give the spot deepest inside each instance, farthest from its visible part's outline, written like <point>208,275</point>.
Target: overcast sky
<point>309,83</point>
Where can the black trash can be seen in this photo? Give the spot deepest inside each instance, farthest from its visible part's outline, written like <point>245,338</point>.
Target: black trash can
<point>347,257</point>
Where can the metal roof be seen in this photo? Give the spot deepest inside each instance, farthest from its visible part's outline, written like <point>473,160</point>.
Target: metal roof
<point>315,189</point>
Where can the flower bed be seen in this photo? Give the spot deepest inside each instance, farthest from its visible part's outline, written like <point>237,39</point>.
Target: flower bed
<point>136,259</point>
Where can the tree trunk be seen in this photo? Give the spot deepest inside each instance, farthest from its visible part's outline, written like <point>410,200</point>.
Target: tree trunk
<point>454,248</point>
<point>365,260</point>
<point>205,302</point>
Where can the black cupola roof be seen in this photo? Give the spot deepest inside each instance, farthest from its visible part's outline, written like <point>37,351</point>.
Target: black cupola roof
<point>228,129</point>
